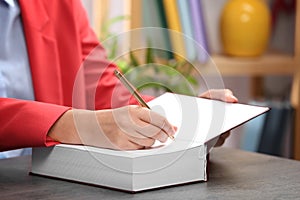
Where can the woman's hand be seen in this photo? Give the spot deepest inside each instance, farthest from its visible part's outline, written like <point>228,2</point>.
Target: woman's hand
<point>130,127</point>
<point>134,127</point>
<point>220,94</point>
<point>223,95</point>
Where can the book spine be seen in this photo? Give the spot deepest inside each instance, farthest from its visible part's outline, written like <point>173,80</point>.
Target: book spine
<point>186,25</point>
<point>274,129</point>
<point>154,16</point>
<point>173,23</point>
<point>211,13</point>
<point>199,30</point>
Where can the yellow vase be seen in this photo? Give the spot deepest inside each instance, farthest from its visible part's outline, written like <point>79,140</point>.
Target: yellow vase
<point>245,27</point>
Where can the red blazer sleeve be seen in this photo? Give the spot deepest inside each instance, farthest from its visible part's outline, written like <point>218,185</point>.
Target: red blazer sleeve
<point>26,123</point>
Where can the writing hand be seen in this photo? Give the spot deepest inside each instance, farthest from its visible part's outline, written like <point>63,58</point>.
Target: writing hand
<point>129,127</point>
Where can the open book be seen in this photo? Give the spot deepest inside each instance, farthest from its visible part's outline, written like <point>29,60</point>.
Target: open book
<point>199,121</point>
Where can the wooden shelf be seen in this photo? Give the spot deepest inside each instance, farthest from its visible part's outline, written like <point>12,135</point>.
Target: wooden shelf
<point>268,64</point>
<point>296,83</point>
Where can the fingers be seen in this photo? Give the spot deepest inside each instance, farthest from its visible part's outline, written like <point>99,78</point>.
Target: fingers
<point>130,145</point>
<point>154,132</point>
<point>158,126</point>
<point>142,142</point>
<point>220,94</point>
<point>133,127</point>
<point>222,138</point>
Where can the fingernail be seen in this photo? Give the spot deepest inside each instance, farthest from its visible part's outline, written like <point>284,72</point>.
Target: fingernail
<point>175,128</point>
<point>233,97</point>
<point>163,138</point>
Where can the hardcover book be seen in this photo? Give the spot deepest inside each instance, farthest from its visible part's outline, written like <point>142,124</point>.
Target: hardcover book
<point>184,160</point>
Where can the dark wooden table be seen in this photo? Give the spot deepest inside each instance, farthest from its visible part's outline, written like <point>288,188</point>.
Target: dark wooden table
<point>234,174</point>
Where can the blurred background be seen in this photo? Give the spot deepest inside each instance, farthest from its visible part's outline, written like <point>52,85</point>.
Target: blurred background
<point>266,75</point>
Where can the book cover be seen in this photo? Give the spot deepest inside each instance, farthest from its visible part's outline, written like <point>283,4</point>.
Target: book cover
<point>199,30</point>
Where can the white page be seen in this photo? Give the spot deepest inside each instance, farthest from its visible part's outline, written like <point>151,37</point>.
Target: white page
<point>199,120</point>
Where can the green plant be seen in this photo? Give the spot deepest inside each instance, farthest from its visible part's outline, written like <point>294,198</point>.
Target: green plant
<point>161,76</point>
<point>168,76</point>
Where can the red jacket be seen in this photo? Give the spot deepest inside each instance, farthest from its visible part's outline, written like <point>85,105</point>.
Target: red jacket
<point>59,39</point>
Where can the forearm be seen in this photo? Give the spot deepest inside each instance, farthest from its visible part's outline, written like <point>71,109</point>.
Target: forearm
<point>26,123</point>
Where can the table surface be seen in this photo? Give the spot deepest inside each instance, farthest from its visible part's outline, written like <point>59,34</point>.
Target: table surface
<point>234,174</point>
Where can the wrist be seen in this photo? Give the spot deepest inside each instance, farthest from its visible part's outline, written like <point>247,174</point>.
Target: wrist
<point>63,130</point>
